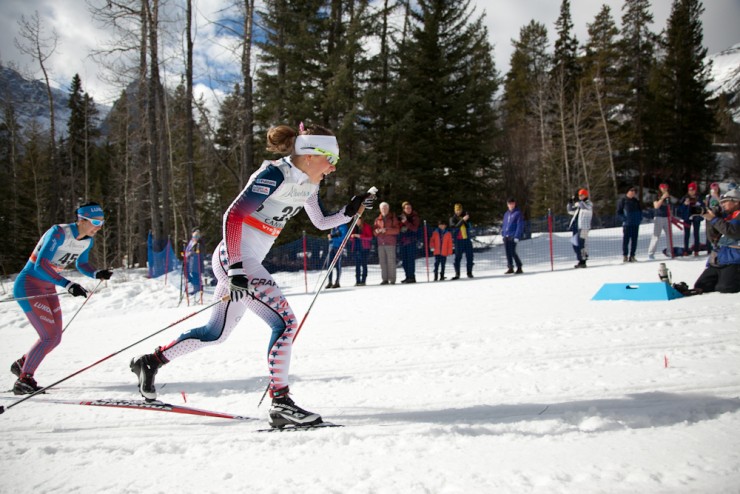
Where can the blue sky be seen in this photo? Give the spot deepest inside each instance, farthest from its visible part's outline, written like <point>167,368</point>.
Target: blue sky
<point>217,57</point>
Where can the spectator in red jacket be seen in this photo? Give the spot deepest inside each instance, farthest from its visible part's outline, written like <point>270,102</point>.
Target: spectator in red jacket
<point>409,222</point>
<point>441,245</point>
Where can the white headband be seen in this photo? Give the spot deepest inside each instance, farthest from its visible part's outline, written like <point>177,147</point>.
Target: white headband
<point>307,144</point>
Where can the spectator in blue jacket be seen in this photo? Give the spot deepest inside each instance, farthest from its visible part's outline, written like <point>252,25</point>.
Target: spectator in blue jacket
<point>336,237</point>
<point>690,209</point>
<point>512,231</point>
<point>629,212</point>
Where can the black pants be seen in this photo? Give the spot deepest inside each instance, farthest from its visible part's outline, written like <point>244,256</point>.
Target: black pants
<point>629,235</point>
<point>463,246</point>
<point>511,255</point>
<point>695,222</point>
<point>723,279</point>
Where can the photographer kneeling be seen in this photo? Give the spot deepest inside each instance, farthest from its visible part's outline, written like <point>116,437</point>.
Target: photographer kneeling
<point>722,273</point>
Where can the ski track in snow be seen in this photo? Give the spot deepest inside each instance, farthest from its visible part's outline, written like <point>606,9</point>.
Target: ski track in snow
<point>496,384</point>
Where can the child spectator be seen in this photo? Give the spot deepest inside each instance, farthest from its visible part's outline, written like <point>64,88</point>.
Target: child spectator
<point>441,245</point>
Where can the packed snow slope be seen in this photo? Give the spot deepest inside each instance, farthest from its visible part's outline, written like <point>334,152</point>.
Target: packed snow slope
<point>493,384</point>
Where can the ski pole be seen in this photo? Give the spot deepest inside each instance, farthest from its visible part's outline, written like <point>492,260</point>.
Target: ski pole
<point>222,299</point>
<point>372,190</point>
<point>81,306</point>
<point>57,294</point>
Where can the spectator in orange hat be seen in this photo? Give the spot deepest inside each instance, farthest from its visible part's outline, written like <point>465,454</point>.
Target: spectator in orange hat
<point>690,210</point>
<point>582,211</point>
<point>660,222</point>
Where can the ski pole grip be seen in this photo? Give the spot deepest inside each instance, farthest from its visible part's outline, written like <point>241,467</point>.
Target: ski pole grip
<point>372,190</point>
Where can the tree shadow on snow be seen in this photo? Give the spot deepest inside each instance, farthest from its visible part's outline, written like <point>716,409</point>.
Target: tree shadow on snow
<point>635,411</point>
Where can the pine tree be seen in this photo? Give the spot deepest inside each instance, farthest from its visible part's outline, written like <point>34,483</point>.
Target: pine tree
<point>445,123</point>
<point>526,135</point>
<point>683,97</point>
<point>293,60</point>
<point>635,138</point>
<point>598,94</point>
<point>565,72</point>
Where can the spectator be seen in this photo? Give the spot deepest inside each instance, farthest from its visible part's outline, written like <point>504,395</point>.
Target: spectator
<point>661,222</point>
<point>362,240</point>
<point>441,245</point>
<point>629,212</point>
<point>689,210</point>
<point>409,223</point>
<point>711,202</point>
<point>512,231</point>
<point>463,243</point>
<point>386,230</point>
<point>336,237</point>
<point>722,273</point>
<point>194,262</point>
<point>580,224</point>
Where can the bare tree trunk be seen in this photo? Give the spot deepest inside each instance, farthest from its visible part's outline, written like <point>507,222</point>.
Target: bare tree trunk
<point>563,133</point>
<point>247,130</point>
<point>604,123</point>
<point>151,13</point>
<point>41,49</point>
<point>190,215</point>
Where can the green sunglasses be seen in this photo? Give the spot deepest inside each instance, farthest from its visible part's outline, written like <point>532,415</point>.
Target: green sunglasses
<point>332,158</point>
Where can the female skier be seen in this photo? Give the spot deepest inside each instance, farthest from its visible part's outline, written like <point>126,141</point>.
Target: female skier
<point>274,194</point>
<point>60,246</point>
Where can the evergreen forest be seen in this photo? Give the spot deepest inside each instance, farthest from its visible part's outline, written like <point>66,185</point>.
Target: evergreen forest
<point>413,93</point>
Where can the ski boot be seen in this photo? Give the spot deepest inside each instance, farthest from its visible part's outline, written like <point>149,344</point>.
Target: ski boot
<point>145,367</point>
<point>285,412</point>
<point>25,385</point>
<point>17,366</point>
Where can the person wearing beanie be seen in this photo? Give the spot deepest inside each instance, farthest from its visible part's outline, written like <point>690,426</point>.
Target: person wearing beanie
<point>512,231</point>
<point>661,220</point>
<point>459,222</point>
<point>690,209</point>
<point>59,247</point>
<point>629,211</point>
<point>722,273</point>
<point>582,211</point>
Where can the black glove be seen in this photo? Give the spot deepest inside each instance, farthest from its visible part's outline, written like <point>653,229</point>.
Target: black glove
<point>238,283</point>
<point>103,274</point>
<point>76,290</point>
<point>354,204</point>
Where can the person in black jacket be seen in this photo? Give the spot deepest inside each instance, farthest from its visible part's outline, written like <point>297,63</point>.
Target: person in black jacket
<point>629,211</point>
<point>463,243</point>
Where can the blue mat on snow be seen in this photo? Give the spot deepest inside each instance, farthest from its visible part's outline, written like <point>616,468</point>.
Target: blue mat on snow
<point>636,291</point>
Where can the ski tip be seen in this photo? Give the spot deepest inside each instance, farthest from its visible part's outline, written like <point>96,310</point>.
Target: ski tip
<point>2,409</point>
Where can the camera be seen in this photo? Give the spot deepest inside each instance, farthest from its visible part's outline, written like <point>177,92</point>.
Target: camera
<point>700,210</point>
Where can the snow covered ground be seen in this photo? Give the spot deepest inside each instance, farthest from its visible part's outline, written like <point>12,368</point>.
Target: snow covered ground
<point>495,384</point>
